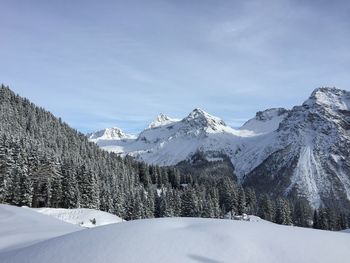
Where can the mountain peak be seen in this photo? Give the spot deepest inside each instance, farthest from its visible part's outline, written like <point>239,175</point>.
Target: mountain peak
<point>199,113</point>
<point>203,118</point>
<point>270,113</point>
<point>113,133</point>
<point>328,97</point>
<point>161,120</point>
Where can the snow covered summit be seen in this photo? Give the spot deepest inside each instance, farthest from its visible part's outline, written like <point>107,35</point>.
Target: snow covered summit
<point>161,119</point>
<point>109,134</point>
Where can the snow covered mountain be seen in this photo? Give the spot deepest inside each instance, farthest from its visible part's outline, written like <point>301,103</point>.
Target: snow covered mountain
<point>310,151</point>
<point>303,151</point>
<point>109,136</point>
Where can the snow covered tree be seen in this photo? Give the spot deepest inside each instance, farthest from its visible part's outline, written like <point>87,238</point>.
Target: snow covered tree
<point>315,221</point>
<point>189,203</point>
<point>283,212</point>
<point>266,208</point>
<point>302,213</point>
<point>88,188</point>
<point>22,192</point>
<point>6,166</point>
<point>227,195</point>
<point>241,202</point>
<point>251,201</point>
<point>70,190</point>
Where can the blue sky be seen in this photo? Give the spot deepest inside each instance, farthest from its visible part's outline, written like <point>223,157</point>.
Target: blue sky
<point>120,63</point>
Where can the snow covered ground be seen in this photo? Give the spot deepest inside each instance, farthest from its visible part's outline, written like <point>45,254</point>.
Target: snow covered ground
<point>175,240</point>
<point>81,216</point>
<point>20,227</point>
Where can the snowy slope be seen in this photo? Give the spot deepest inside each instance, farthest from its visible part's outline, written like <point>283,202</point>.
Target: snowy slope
<point>81,216</point>
<point>265,121</point>
<point>20,227</point>
<point>189,240</point>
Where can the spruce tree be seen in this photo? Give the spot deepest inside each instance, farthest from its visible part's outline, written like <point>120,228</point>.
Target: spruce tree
<point>283,212</point>
<point>266,208</point>
<point>241,202</point>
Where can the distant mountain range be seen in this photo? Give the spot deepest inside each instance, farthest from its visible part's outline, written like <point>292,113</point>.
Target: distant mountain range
<point>303,151</point>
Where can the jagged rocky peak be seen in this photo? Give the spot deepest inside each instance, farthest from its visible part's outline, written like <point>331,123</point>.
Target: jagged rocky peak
<point>113,133</point>
<point>270,114</point>
<point>333,98</point>
<point>204,119</point>
<point>161,120</point>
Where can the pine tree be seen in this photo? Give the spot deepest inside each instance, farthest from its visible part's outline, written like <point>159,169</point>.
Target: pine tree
<point>174,177</point>
<point>342,222</point>
<point>315,221</point>
<point>241,203</point>
<point>144,176</point>
<point>283,213</point>
<point>251,201</point>
<point>70,190</point>
<point>266,208</point>
<point>88,189</point>
<point>189,203</point>
<point>227,196</point>
<point>56,185</point>
<point>323,222</point>
<point>22,192</point>
<point>302,213</point>
<point>6,166</point>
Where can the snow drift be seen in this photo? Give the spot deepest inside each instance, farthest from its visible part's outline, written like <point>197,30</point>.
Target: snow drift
<point>20,227</point>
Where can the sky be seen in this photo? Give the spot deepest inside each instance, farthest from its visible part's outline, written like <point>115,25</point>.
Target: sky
<point>99,64</point>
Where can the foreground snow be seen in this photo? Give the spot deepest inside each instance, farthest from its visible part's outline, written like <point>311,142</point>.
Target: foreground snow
<point>81,216</point>
<point>188,240</point>
<point>20,227</point>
